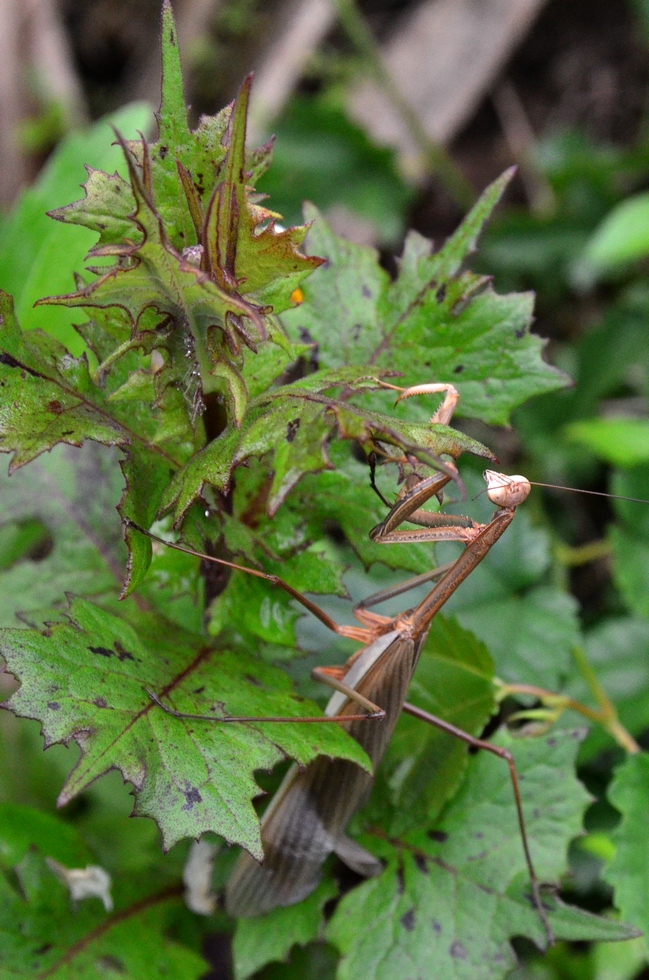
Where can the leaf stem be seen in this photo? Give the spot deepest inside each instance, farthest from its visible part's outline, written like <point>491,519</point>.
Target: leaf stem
<point>571,557</point>
<point>606,716</point>
<point>114,356</point>
<point>436,157</point>
<point>608,712</point>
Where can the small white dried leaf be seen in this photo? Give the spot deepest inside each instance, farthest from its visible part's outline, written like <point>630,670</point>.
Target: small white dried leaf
<point>89,882</point>
<point>197,878</point>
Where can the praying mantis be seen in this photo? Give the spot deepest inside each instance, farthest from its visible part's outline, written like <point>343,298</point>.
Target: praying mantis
<point>307,818</point>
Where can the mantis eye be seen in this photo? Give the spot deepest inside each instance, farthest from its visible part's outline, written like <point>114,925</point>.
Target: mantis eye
<point>506,491</point>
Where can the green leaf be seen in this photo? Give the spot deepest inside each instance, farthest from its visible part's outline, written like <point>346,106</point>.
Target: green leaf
<point>41,935</point>
<point>72,494</point>
<point>621,442</point>
<point>38,257</point>
<point>628,871</point>
<point>528,627</point>
<point>449,901</point>
<point>623,236</point>
<point>271,937</point>
<point>450,324</point>
<point>192,777</point>
<point>295,423</point>
<point>23,827</point>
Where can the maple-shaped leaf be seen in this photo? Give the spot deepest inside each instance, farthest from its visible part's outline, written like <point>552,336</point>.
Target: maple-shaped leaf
<point>87,680</point>
<point>190,242</point>
<point>50,398</point>
<point>295,422</point>
<point>196,313</point>
<point>434,323</point>
<point>48,395</point>
<point>455,892</point>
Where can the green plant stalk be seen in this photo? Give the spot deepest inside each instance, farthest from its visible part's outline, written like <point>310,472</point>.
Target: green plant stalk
<point>609,717</point>
<point>575,557</point>
<point>437,159</point>
<point>606,716</point>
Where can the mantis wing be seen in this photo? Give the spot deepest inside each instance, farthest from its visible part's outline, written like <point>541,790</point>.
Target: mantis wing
<point>306,819</point>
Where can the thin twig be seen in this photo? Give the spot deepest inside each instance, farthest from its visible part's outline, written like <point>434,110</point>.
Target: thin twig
<point>437,158</point>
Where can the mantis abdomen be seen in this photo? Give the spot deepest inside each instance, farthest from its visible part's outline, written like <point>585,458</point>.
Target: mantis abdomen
<point>307,818</point>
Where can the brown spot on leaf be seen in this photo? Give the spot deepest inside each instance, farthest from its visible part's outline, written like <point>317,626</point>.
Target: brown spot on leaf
<point>439,835</point>
<point>192,796</point>
<point>291,429</point>
<point>101,651</point>
<point>457,950</point>
<point>54,705</point>
<point>55,406</point>
<point>436,926</point>
<point>421,863</point>
<point>121,652</point>
<point>110,964</point>
<point>162,152</point>
<point>42,950</point>
<point>367,292</point>
<point>408,920</point>
<point>440,295</point>
<point>100,703</point>
<point>458,369</point>
<point>11,362</point>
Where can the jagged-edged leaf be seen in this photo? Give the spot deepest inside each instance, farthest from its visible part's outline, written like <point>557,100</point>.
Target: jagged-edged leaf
<point>200,179</point>
<point>452,896</point>
<point>449,325</point>
<point>271,937</point>
<point>52,398</point>
<point>295,423</point>
<point>153,275</point>
<point>87,680</point>
<point>628,872</point>
<point>38,256</point>
<point>49,395</point>
<point>68,498</point>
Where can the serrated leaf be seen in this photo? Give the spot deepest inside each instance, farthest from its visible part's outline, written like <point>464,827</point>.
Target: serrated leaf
<point>192,777</point>
<point>448,902</point>
<point>152,274</point>
<point>273,421</point>
<point>38,257</point>
<point>628,871</point>
<point>271,937</point>
<point>448,323</point>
